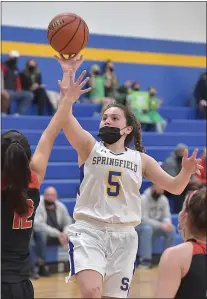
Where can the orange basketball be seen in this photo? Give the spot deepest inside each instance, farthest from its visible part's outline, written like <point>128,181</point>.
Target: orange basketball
<point>67,33</point>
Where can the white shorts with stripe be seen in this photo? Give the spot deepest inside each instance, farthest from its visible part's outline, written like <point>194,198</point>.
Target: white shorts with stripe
<point>108,249</point>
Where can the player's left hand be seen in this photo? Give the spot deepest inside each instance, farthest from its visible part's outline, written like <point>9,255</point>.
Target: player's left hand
<point>71,63</point>
<point>191,164</point>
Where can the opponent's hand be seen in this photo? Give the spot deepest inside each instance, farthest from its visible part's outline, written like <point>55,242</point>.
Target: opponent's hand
<point>70,89</point>
<point>191,164</point>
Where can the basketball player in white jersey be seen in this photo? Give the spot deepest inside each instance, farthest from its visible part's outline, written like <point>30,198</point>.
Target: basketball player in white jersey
<point>103,241</point>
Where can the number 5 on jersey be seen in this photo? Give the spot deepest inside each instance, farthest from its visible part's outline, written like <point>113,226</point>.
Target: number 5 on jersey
<point>23,222</point>
<point>113,186</point>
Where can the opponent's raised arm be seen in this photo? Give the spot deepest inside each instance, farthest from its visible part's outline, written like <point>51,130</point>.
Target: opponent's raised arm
<point>81,140</point>
<point>70,91</point>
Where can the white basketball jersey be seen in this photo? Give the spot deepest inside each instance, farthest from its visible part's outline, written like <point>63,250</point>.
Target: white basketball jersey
<point>109,187</point>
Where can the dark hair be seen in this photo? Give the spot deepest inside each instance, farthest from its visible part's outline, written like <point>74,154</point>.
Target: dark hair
<point>106,64</point>
<point>136,134</point>
<point>16,175</point>
<point>28,62</point>
<point>196,209</point>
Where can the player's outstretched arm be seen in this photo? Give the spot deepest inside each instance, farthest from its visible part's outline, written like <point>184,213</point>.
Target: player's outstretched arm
<point>81,140</point>
<point>69,92</point>
<point>175,185</point>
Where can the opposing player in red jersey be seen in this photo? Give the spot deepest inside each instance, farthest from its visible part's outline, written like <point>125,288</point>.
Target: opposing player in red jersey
<point>182,269</point>
<point>21,178</point>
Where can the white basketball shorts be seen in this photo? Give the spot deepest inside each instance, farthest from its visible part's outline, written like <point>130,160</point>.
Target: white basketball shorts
<point>109,250</point>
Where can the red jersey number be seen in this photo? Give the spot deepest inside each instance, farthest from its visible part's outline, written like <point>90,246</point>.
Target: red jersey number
<point>23,222</point>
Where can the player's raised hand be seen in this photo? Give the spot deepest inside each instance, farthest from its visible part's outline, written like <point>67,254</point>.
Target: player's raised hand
<point>71,63</point>
<point>191,164</point>
<point>70,89</point>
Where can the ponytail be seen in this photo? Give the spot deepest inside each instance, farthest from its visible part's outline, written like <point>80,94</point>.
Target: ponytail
<point>17,176</point>
<point>137,135</point>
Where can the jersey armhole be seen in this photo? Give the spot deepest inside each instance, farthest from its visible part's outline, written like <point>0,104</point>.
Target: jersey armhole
<point>186,268</point>
<point>34,184</point>
<point>139,157</point>
<point>89,157</point>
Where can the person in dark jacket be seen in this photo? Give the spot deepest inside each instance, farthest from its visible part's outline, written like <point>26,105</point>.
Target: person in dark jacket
<point>31,79</point>
<point>12,83</point>
<point>200,94</point>
<point>5,98</point>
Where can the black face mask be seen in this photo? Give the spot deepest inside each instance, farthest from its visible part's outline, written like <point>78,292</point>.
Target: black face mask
<point>155,195</point>
<point>179,159</point>
<point>109,135</point>
<point>31,68</point>
<point>97,73</point>
<point>49,203</point>
<point>152,94</point>
<point>111,69</point>
<point>12,62</point>
<point>136,88</point>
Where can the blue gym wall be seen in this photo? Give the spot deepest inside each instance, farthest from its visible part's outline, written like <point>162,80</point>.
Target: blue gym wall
<point>174,82</point>
<point>157,44</point>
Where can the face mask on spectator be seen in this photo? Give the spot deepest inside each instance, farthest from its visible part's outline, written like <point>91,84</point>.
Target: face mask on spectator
<point>31,68</point>
<point>152,94</point>
<point>49,203</point>
<point>135,86</point>
<point>12,62</point>
<point>155,195</point>
<point>111,69</point>
<point>97,73</point>
<point>179,158</point>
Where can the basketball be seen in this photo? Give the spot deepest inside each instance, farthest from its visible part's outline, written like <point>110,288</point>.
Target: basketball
<point>67,33</point>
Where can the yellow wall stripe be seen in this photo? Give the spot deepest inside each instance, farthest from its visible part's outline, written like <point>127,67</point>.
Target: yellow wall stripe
<point>43,50</point>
